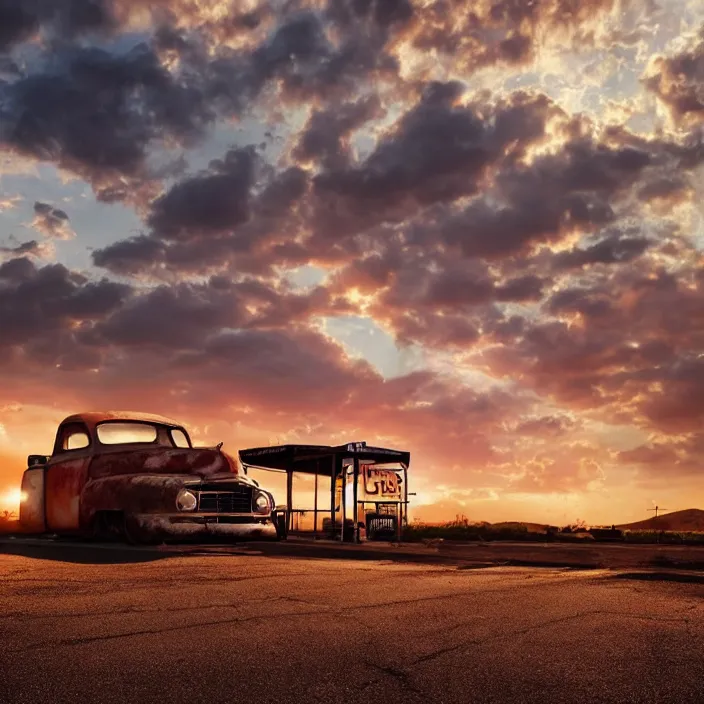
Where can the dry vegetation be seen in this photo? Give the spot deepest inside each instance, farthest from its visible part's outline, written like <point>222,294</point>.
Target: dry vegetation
<point>669,537</point>
<point>9,522</point>
<point>462,529</point>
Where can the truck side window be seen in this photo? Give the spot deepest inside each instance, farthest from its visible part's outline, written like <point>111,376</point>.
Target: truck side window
<point>76,440</point>
<point>178,437</point>
<point>73,437</point>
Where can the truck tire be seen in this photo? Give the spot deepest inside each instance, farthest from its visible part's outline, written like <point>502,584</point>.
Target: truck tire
<point>106,526</point>
<point>135,534</point>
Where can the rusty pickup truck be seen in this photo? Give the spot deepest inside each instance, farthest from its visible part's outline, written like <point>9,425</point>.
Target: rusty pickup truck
<point>138,478</point>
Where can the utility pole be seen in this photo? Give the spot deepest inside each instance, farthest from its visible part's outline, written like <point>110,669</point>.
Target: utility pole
<point>656,509</point>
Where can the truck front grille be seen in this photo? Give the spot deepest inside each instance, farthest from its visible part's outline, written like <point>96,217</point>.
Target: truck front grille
<point>237,501</point>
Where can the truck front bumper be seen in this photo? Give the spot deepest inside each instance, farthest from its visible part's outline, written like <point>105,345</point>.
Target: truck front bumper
<point>182,526</point>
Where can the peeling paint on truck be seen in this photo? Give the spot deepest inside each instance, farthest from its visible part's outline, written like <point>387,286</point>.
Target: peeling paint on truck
<point>63,485</point>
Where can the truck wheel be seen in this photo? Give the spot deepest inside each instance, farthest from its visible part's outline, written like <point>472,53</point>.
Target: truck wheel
<point>106,526</point>
<point>135,534</point>
<point>98,528</point>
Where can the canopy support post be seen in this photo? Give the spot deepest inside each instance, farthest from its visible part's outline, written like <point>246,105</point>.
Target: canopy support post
<point>355,495</point>
<point>343,503</point>
<point>333,480</point>
<point>289,497</point>
<point>405,495</point>
<point>315,502</point>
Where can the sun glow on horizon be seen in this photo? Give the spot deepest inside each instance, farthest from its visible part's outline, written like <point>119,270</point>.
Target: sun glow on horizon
<point>11,500</point>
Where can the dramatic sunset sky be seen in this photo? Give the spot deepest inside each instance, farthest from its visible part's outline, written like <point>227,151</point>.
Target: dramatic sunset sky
<point>468,229</point>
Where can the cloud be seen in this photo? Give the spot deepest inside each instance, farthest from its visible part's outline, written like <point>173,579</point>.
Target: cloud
<point>666,459</point>
<point>44,303</point>
<point>96,113</point>
<point>230,215</point>
<point>211,203</point>
<point>224,345</point>
<point>31,248</point>
<point>325,138</point>
<point>174,317</point>
<point>132,256</point>
<point>445,238</point>
<point>678,82</point>
<point>303,54</point>
<point>52,222</point>
<point>381,15</point>
<point>628,345</point>
<point>436,152</point>
<point>474,35</point>
<point>9,202</point>
<point>41,309</point>
<point>437,275</point>
<point>675,405</point>
<point>615,248</point>
<point>541,253</point>
<point>21,19</point>
<point>308,64</point>
<point>248,350</point>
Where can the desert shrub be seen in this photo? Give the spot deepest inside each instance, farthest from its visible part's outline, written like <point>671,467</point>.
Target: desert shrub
<point>462,529</point>
<point>667,537</point>
<point>8,522</point>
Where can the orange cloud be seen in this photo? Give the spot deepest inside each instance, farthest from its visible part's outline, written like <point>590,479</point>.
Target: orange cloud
<point>499,216</point>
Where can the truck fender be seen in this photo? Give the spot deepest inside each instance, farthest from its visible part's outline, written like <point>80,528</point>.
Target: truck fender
<point>135,493</point>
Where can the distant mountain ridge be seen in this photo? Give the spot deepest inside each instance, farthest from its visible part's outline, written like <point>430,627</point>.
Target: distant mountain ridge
<point>689,519</point>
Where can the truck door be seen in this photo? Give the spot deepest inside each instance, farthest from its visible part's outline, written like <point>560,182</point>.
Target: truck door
<point>66,474</point>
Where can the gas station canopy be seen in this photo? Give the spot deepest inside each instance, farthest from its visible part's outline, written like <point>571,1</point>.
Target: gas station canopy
<point>319,459</point>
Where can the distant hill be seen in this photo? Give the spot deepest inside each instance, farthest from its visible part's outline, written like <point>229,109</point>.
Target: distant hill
<point>690,519</point>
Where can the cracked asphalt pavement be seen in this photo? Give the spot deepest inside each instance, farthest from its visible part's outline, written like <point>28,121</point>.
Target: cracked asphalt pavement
<point>219,625</point>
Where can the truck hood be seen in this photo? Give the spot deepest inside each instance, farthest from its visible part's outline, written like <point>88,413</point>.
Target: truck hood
<point>197,462</point>
<point>217,482</point>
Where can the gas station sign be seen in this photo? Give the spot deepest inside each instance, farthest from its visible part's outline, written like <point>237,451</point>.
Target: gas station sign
<point>380,483</point>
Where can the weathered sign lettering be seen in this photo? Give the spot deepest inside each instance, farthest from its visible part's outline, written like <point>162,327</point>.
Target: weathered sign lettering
<point>382,483</point>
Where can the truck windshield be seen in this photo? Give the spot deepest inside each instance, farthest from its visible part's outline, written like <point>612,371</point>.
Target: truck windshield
<point>133,432</point>
<point>126,433</point>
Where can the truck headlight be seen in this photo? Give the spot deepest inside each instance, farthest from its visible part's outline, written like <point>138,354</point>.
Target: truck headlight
<point>262,503</point>
<point>186,500</point>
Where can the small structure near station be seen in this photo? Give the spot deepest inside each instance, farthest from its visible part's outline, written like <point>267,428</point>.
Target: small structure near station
<point>368,487</point>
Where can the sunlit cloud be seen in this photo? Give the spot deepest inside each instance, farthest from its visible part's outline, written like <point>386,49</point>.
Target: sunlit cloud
<point>472,231</point>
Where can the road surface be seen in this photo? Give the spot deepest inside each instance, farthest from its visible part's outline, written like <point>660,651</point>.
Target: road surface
<point>220,626</point>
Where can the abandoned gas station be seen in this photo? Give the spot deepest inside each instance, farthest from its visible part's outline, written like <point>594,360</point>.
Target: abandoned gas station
<point>368,487</point>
